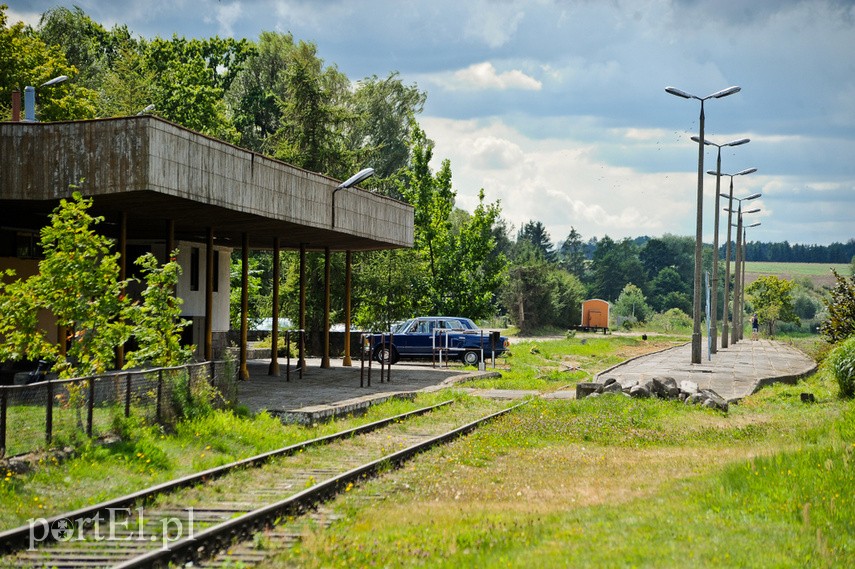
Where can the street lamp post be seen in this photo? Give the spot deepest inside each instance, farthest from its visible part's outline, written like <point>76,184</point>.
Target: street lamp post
<point>739,266</point>
<point>742,284</point>
<point>30,97</point>
<point>696,301</point>
<point>727,248</point>
<point>714,295</point>
<point>363,174</point>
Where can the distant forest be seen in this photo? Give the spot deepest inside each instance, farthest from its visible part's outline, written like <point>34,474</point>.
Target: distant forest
<point>786,253</point>
<point>771,252</point>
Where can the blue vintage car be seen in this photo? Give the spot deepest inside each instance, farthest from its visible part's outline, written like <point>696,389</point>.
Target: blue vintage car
<point>432,336</point>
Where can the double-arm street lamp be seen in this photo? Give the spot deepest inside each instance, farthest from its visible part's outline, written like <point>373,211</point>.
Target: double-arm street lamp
<point>696,301</point>
<point>714,295</point>
<point>727,247</point>
<point>739,266</point>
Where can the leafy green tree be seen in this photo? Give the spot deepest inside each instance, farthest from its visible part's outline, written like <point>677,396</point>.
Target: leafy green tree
<point>257,89</point>
<point>87,45</point>
<point>313,114</point>
<point>840,304</point>
<point>383,109</point>
<point>157,319</point>
<point>632,304</point>
<point>189,81</point>
<point>615,264</point>
<point>772,298</point>
<point>25,59</point>
<point>78,283</point>
<point>668,290</point>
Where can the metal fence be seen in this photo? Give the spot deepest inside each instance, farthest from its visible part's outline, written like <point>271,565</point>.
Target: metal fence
<point>56,412</point>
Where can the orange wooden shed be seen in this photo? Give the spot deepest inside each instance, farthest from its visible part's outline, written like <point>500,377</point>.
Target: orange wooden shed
<point>595,313</point>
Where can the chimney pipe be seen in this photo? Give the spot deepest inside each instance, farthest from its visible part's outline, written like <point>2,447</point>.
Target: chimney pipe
<point>30,104</point>
<point>16,105</point>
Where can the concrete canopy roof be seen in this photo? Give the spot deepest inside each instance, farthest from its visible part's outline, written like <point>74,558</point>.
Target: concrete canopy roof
<point>154,171</point>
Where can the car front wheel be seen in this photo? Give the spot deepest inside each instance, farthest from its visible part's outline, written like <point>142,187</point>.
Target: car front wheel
<point>471,358</point>
<point>386,354</point>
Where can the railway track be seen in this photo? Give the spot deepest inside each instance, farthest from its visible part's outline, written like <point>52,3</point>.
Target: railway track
<point>236,513</point>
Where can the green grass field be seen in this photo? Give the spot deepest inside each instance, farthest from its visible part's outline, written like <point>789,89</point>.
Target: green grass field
<point>818,273</point>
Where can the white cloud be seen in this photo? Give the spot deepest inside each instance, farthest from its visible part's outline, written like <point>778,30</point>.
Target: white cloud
<point>226,16</point>
<point>484,76</point>
<point>493,23</point>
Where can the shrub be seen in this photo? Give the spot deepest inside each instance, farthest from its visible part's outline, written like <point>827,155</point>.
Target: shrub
<point>841,362</point>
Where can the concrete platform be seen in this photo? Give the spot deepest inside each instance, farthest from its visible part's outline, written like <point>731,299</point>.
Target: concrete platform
<point>325,393</point>
<point>322,394</point>
<point>734,372</point>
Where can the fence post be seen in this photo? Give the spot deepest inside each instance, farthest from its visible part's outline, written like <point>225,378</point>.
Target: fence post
<point>157,411</point>
<point>127,395</point>
<point>49,412</point>
<point>3,423</point>
<point>90,407</point>
<point>287,355</point>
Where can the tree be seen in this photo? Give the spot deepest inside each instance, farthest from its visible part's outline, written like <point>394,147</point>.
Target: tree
<point>534,232</point>
<point>78,283</point>
<point>632,304</point>
<point>614,266</point>
<point>840,304</point>
<point>382,110</point>
<point>572,254</point>
<point>157,319</point>
<point>668,290</point>
<point>25,59</point>
<point>772,298</point>
<point>312,115</point>
<point>190,78</point>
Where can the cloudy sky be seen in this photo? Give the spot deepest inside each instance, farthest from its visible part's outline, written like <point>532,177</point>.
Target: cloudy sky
<point>558,107</point>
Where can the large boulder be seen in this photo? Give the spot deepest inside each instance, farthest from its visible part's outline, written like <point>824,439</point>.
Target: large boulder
<point>586,388</point>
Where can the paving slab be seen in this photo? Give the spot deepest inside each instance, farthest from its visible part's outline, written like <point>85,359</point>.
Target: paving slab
<point>733,372</point>
<point>323,393</point>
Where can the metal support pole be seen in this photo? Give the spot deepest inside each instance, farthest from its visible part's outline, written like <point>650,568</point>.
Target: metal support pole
<point>325,360</point>
<point>348,261</point>
<point>696,299</point>
<point>244,304</point>
<point>273,369</point>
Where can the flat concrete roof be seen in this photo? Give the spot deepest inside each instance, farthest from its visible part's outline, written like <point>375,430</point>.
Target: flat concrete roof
<point>154,171</point>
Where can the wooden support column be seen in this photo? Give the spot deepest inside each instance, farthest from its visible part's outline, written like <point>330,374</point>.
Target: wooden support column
<point>274,331</point>
<point>348,261</point>
<point>325,362</point>
<point>209,296</point>
<point>123,274</point>
<point>302,362</point>
<point>244,303</point>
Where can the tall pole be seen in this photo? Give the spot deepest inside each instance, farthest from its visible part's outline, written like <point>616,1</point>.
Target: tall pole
<point>714,296</point>
<point>726,298</point>
<point>696,299</point>
<point>742,288</point>
<point>696,309</point>
<point>273,368</point>
<point>734,337</point>
<point>348,277</point>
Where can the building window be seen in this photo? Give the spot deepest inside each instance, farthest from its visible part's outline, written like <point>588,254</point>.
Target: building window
<point>194,268</point>
<point>216,275</point>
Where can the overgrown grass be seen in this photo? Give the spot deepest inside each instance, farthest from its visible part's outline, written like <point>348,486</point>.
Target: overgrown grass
<point>148,455</point>
<point>615,482</point>
<point>547,365</point>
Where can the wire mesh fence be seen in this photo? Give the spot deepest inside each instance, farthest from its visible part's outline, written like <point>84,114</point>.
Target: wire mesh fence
<point>55,413</point>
